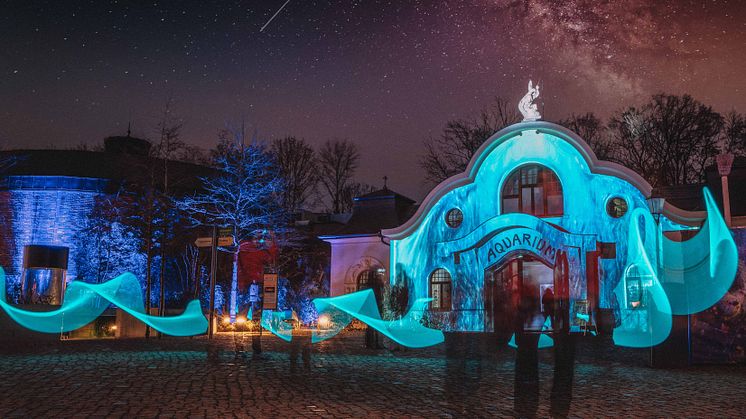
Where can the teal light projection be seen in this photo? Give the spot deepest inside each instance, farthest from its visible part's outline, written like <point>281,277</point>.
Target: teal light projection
<point>545,341</point>
<point>274,321</point>
<point>470,252</point>
<point>644,308</point>
<point>675,278</point>
<point>698,272</point>
<point>84,302</point>
<point>645,278</point>
<point>407,331</point>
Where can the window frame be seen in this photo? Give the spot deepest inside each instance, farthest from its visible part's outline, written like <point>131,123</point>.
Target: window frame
<point>440,283</point>
<point>455,213</point>
<point>373,274</point>
<point>543,177</point>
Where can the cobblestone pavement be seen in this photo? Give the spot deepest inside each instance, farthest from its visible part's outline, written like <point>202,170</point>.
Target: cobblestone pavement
<point>182,377</point>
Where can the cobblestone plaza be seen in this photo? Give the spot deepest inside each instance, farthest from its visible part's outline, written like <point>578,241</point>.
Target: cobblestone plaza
<point>183,377</point>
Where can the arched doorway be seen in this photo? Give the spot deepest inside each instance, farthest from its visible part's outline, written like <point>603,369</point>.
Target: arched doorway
<point>372,278</point>
<point>522,292</point>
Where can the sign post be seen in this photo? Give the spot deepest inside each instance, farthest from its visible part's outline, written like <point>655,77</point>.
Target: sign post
<point>213,274</point>
<point>270,292</point>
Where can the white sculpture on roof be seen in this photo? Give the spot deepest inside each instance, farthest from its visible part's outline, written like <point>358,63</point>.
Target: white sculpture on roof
<point>528,108</point>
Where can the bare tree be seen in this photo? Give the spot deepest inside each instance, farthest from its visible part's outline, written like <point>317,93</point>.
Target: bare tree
<point>169,129</point>
<point>450,153</point>
<point>592,130</point>
<point>338,160</point>
<point>298,167</point>
<point>186,267</point>
<point>734,133</point>
<point>352,191</point>
<point>669,141</point>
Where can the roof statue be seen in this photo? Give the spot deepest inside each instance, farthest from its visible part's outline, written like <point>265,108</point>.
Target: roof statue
<point>527,106</point>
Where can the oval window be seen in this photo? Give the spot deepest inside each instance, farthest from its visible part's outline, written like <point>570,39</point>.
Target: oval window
<point>454,217</point>
<point>616,207</point>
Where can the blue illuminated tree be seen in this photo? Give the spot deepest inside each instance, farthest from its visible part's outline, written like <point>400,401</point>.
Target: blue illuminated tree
<point>244,194</point>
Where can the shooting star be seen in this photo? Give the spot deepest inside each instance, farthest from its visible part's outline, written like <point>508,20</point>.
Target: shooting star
<point>274,15</point>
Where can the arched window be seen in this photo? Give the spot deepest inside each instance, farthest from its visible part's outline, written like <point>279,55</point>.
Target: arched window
<point>532,189</point>
<point>440,290</point>
<point>369,278</point>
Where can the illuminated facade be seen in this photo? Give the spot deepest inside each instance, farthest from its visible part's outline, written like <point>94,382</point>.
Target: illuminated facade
<point>537,219</point>
<point>47,197</point>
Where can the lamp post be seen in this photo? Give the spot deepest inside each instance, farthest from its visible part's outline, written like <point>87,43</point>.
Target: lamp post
<point>675,351</point>
<point>655,205</point>
<point>725,163</point>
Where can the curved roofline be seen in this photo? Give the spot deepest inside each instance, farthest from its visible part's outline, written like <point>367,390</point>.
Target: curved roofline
<point>596,166</point>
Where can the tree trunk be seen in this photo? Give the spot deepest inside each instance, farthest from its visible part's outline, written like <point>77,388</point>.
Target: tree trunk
<point>234,288</point>
<point>162,282</point>
<point>148,279</point>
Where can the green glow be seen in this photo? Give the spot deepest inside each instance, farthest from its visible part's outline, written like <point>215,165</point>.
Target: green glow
<point>84,302</point>
<point>407,331</point>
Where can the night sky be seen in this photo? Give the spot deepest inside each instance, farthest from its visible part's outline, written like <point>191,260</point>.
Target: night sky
<point>385,74</point>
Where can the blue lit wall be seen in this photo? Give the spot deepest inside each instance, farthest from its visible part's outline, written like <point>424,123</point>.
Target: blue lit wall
<point>46,210</point>
<point>431,244</point>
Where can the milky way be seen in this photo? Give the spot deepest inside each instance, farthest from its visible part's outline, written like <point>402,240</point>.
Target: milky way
<point>385,74</point>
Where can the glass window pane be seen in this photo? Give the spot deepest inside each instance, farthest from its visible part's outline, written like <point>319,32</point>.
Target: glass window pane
<point>526,206</point>
<point>527,189</point>
<point>446,299</point>
<point>510,205</point>
<point>530,175</point>
<point>539,201</point>
<point>554,205</point>
<point>436,296</point>
<point>511,185</point>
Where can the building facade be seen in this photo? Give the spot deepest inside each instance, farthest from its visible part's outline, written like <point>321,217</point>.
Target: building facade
<point>47,198</point>
<point>536,224</point>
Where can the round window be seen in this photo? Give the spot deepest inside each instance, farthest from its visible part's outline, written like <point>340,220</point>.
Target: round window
<point>616,207</point>
<point>454,217</point>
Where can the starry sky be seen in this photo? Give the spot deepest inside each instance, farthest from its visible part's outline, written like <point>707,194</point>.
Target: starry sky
<point>385,74</point>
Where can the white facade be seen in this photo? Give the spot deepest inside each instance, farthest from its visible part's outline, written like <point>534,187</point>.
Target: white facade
<point>352,256</point>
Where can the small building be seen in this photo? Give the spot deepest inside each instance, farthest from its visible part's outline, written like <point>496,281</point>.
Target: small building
<point>360,254</point>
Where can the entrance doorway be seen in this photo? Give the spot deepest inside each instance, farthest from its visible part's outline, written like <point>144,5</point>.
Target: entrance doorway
<point>519,296</point>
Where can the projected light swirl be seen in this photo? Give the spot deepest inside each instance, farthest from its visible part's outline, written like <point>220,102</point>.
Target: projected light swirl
<point>407,331</point>
<point>682,278</point>
<point>84,302</point>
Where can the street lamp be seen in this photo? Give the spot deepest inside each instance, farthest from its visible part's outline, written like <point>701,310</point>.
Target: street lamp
<point>725,163</point>
<point>655,205</point>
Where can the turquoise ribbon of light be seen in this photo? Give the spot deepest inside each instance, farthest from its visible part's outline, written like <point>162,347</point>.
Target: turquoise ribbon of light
<point>647,325</point>
<point>274,321</point>
<point>545,341</point>
<point>83,303</point>
<point>406,331</point>
<point>698,272</point>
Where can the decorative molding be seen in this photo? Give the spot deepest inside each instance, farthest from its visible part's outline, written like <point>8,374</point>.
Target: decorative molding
<point>596,166</point>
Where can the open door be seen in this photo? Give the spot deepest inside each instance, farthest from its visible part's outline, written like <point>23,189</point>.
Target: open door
<point>501,289</point>
<point>560,313</point>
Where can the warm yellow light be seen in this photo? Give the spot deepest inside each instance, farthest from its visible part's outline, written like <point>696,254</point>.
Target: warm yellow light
<point>324,322</point>
<point>113,327</point>
<point>226,319</point>
<point>240,320</point>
